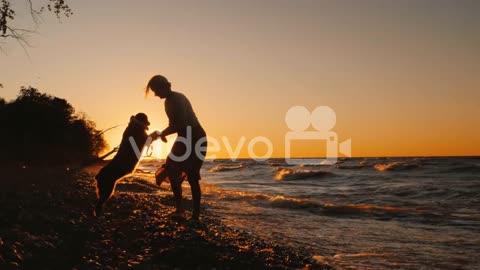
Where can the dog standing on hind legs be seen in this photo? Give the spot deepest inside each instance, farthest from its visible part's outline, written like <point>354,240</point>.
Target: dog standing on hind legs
<point>124,162</point>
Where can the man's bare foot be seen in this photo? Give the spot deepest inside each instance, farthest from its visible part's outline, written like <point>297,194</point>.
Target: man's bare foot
<point>178,215</point>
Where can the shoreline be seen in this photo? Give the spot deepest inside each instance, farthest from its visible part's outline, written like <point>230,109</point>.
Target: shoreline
<point>47,223</point>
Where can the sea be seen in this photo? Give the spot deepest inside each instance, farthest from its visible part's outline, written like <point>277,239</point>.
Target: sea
<point>357,213</point>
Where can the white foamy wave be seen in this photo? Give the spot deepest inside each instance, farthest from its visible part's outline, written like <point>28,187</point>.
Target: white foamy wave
<point>326,162</point>
<point>225,168</point>
<point>292,203</point>
<point>148,165</point>
<point>292,174</point>
<point>313,206</point>
<point>263,200</point>
<point>395,166</point>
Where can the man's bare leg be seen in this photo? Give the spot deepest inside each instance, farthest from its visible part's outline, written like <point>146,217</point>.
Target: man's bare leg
<point>196,197</point>
<point>176,185</point>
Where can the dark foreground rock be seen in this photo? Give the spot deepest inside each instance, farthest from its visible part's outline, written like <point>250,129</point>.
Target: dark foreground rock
<point>46,223</point>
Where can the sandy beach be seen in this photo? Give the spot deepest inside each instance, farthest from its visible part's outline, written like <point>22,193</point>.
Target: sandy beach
<point>46,223</point>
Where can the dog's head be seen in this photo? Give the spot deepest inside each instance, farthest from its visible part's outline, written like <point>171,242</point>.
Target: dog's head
<point>140,119</point>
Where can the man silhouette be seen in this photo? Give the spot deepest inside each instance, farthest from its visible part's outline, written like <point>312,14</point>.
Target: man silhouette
<point>183,158</point>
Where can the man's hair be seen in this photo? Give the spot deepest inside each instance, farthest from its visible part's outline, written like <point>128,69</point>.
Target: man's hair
<point>157,81</point>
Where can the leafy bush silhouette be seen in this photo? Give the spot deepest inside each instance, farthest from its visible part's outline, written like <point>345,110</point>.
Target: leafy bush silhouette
<point>40,128</point>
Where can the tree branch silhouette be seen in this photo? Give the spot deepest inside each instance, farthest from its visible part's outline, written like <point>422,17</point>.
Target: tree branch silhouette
<point>8,15</point>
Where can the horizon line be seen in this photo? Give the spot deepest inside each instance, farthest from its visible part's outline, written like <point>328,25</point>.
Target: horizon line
<point>340,158</point>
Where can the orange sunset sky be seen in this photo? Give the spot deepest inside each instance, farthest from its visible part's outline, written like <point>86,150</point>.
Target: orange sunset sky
<point>402,76</point>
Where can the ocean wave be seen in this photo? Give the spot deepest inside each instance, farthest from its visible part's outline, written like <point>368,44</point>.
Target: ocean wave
<point>395,166</point>
<point>326,162</point>
<point>145,171</point>
<point>292,203</point>
<point>279,164</point>
<point>292,174</point>
<point>148,165</point>
<point>264,200</point>
<point>151,161</point>
<point>463,169</point>
<point>334,209</point>
<point>352,167</point>
<point>225,168</point>
<point>134,184</point>
<point>285,202</point>
<point>313,206</point>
